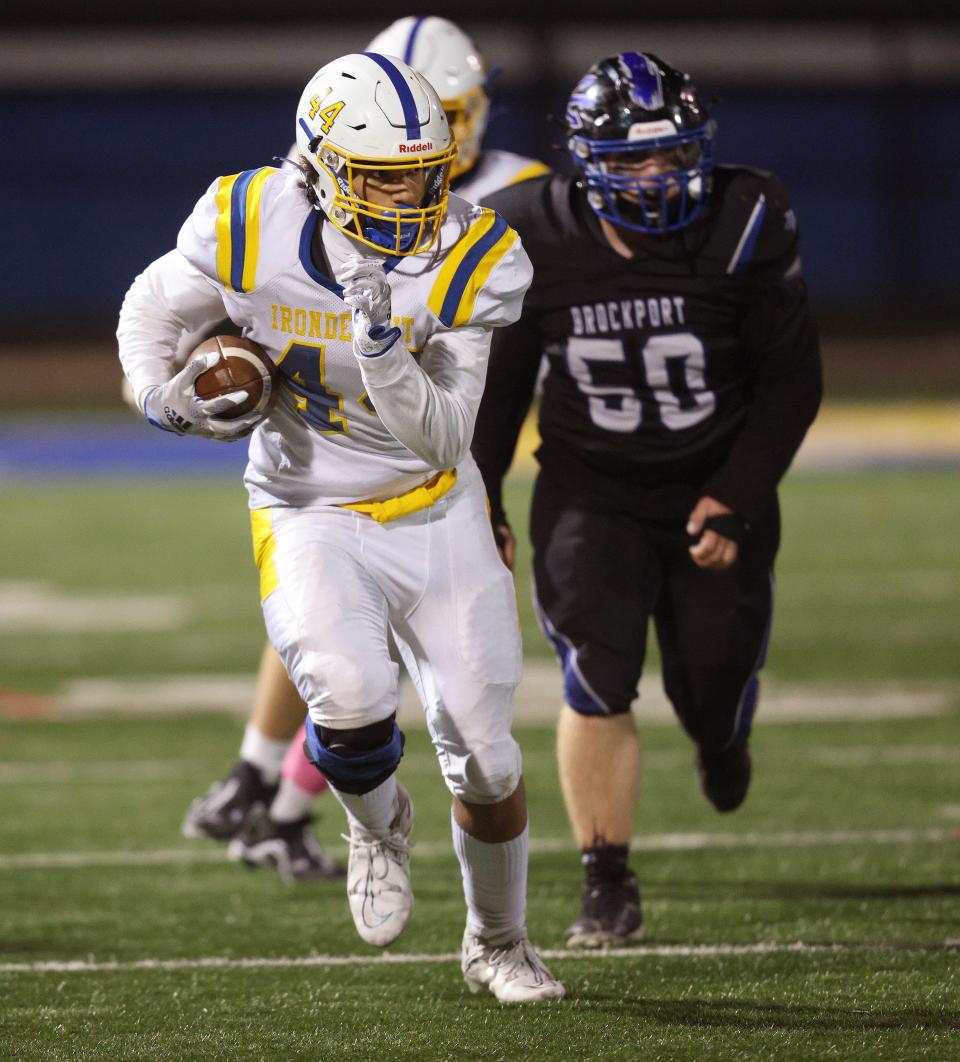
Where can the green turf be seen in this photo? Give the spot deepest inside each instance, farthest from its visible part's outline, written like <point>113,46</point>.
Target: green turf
<point>868,581</point>
<point>867,592</point>
<point>890,992</point>
<point>658,1009</point>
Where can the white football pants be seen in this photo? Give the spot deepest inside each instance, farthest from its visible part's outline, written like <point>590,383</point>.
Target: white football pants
<point>436,579</point>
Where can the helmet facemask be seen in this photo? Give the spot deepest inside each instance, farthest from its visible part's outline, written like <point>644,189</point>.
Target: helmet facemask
<point>395,230</point>
<point>663,196</point>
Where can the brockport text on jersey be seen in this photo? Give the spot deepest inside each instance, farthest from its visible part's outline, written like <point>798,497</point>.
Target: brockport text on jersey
<point>623,315</point>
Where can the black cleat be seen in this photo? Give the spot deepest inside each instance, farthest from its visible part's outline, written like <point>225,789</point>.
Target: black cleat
<point>229,805</point>
<point>609,914</point>
<point>290,848</point>
<point>725,775</point>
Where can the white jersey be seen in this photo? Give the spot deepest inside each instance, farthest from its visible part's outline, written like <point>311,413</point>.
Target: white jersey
<point>495,170</point>
<point>342,431</point>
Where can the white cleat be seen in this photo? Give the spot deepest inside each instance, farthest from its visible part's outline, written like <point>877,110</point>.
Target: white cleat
<point>378,877</point>
<point>513,972</point>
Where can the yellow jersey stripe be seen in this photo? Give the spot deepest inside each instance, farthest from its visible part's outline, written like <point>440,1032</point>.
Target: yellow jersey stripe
<point>252,227</point>
<point>535,169</point>
<point>480,274</point>
<point>447,274</point>
<point>264,548</point>
<point>224,195</point>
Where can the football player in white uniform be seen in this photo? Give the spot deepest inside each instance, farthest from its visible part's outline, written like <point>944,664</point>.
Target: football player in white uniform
<point>450,61</point>
<point>376,294</point>
<point>263,807</point>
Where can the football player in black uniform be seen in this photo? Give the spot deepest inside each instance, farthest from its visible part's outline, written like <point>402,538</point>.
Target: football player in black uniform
<point>684,371</point>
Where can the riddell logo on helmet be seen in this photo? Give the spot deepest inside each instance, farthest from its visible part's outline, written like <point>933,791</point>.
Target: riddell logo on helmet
<point>424,145</point>
<point>643,130</point>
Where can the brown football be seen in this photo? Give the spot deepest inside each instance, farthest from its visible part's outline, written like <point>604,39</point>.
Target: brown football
<point>243,366</point>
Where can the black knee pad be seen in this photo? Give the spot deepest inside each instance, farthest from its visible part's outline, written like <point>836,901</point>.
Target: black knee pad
<point>355,761</point>
<point>353,743</point>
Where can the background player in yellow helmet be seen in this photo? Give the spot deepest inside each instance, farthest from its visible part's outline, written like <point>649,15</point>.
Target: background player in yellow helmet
<point>450,61</point>
<point>263,807</point>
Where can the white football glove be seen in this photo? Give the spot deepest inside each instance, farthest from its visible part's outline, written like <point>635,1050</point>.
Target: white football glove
<point>174,406</point>
<point>366,291</point>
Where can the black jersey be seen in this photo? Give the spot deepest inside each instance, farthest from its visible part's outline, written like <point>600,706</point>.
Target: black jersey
<point>695,361</point>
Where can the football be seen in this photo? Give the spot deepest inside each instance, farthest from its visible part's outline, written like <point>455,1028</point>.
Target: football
<point>243,366</point>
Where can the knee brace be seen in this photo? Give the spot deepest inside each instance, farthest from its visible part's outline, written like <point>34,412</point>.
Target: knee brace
<point>355,761</point>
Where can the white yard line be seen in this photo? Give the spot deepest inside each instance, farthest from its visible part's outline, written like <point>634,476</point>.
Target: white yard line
<point>878,755</point>
<point>787,839</point>
<point>45,608</point>
<point>100,772</point>
<point>537,699</point>
<point>386,959</point>
<point>663,842</point>
<point>124,772</point>
<point>206,853</point>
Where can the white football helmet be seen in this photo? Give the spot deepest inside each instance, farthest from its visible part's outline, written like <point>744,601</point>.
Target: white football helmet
<point>364,114</point>
<point>449,60</point>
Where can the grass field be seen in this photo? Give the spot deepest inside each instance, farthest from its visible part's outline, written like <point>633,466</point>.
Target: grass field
<point>820,921</point>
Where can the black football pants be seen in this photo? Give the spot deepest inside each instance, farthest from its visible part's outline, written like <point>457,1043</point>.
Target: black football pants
<point>602,571</point>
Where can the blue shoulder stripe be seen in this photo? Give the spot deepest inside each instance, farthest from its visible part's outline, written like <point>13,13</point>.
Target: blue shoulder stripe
<point>461,278</point>
<point>306,259</point>
<point>238,227</point>
<point>407,101</point>
<point>390,262</point>
<point>749,239</point>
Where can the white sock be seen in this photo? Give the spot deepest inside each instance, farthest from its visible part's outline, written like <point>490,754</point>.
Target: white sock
<point>264,753</point>
<point>494,884</point>
<point>373,811</point>
<point>291,802</point>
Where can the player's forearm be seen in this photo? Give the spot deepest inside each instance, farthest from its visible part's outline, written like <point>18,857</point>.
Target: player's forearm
<point>510,384</point>
<point>780,415</point>
<point>168,297</point>
<point>494,455</point>
<point>495,439</point>
<point>147,337</point>
<point>433,418</point>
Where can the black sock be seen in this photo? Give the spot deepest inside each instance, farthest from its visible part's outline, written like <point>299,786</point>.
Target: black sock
<point>605,862</point>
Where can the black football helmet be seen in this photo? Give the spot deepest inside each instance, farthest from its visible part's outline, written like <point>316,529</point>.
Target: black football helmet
<point>629,108</point>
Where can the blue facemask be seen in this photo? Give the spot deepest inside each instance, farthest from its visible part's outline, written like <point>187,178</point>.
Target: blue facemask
<point>383,230</point>
<point>663,203</point>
